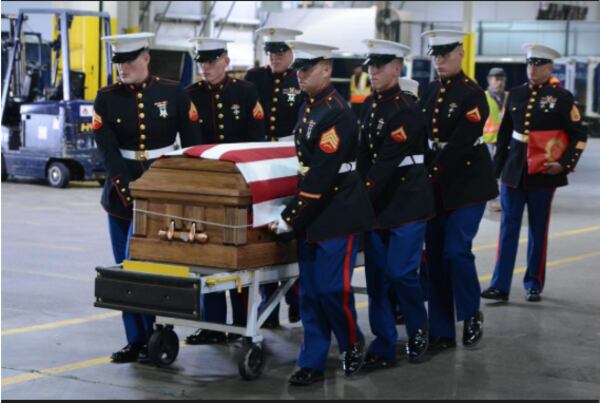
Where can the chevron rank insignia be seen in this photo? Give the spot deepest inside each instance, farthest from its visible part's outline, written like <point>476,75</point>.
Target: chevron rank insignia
<point>473,115</point>
<point>575,116</point>
<point>96,121</point>
<point>258,112</point>
<point>330,141</point>
<point>399,135</point>
<point>193,113</point>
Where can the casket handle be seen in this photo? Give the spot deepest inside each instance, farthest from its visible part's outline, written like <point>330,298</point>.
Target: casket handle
<point>190,236</point>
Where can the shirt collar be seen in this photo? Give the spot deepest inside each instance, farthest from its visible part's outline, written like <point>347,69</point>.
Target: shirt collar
<point>452,80</point>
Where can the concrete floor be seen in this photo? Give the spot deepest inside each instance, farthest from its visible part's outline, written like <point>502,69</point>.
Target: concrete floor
<point>55,345</point>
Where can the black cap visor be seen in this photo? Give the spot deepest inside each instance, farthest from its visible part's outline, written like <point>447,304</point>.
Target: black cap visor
<point>125,57</point>
<point>538,61</point>
<point>204,56</point>
<point>304,64</point>
<point>442,50</point>
<point>379,60</point>
<point>276,47</point>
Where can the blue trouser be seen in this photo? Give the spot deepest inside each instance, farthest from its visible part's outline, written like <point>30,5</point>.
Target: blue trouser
<point>452,273</point>
<point>214,307</point>
<point>326,298</point>
<point>291,297</point>
<point>513,202</point>
<point>392,259</point>
<point>138,327</point>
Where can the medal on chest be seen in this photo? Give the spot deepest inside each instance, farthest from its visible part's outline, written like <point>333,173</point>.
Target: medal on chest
<point>451,108</point>
<point>162,109</point>
<point>235,109</point>
<point>311,126</point>
<point>548,102</point>
<point>291,94</point>
<point>380,124</point>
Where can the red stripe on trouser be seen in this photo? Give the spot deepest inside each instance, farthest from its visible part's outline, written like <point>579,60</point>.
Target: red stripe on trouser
<point>347,293</point>
<point>542,267</point>
<point>499,236</point>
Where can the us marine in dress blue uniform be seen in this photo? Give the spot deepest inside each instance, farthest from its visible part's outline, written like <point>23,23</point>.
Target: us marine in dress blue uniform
<point>330,208</point>
<point>461,170</point>
<point>391,161</point>
<point>539,106</point>
<point>280,96</point>
<point>136,121</point>
<point>230,112</point>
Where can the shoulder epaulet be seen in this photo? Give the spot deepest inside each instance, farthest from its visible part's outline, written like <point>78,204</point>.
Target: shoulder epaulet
<point>335,101</point>
<point>197,84</point>
<point>111,87</point>
<point>242,83</point>
<point>472,84</point>
<point>166,81</point>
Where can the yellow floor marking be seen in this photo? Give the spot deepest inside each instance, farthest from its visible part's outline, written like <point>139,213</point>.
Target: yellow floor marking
<point>46,245</point>
<point>48,274</point>
<point>53,325</point>
<point>30,376</point>
<point>104,360</point>
<point>551,236</point>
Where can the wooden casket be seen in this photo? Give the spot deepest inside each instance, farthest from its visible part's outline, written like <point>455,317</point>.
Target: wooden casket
<point>196,211</point>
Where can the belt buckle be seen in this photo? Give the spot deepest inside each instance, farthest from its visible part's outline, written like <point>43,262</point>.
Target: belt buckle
<point>304,170</point>
<point>141,155</point>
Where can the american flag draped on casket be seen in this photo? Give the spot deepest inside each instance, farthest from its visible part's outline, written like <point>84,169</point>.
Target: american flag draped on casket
<point>270,170</point>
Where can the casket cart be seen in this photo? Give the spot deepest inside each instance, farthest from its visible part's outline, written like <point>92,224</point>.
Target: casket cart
<point>194,233</point>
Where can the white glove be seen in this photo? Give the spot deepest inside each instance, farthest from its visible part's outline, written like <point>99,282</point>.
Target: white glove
<point>280,226</point>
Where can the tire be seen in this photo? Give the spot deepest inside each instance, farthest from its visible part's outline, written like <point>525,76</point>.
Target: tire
<point>252,361</point>
<point>58,175</point>
<point>163,346</point>
<point>4,171</point>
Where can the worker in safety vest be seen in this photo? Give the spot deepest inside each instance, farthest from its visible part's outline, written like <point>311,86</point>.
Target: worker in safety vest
<point>360,89</point>
<point>496,99</point>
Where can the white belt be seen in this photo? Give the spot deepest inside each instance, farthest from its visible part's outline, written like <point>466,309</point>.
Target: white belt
<point>146,154</point>
<point>346,167</point>
<point>285,138</point>
<point>439,145</point>
<point>523,138</point>
<point>412,160</point>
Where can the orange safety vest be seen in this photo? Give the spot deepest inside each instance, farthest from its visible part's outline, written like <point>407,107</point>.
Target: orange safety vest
<point>360,92</point>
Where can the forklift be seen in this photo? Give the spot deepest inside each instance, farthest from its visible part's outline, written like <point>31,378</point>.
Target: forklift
<point>47,131</point>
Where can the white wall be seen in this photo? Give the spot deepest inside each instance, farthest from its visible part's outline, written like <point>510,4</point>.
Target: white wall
<point>340,27</point>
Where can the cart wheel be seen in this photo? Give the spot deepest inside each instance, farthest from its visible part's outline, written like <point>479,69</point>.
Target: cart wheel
<point>58,175</point>
<point>163,346</point>
<point>252,361</point>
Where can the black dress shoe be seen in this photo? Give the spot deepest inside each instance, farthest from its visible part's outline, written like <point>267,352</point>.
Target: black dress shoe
<point>129,353</point>
<point>306,376</point>
<point>438,344</point>
<point>201,336</point>
<point>533,295</point>
<point>143,356</point>
<point>294,313</point>
<point>399,318</point>
<point>495,294</point>
<point>354,358</point>
<point>473,330</point>
<point>417,346</point>
<point>374,361</point>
